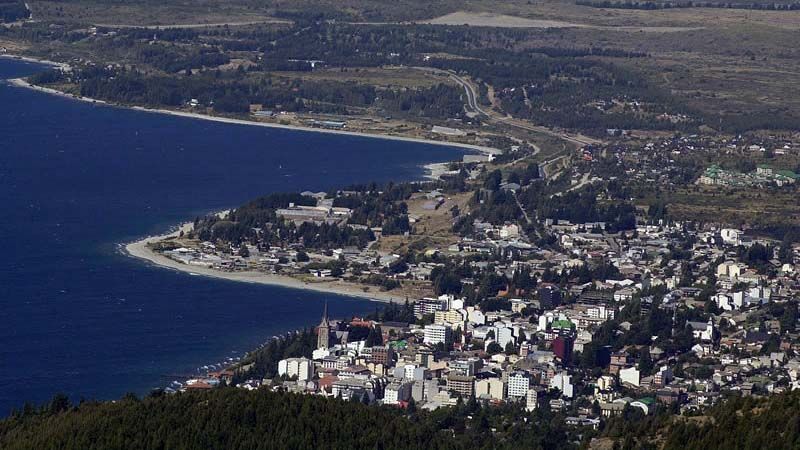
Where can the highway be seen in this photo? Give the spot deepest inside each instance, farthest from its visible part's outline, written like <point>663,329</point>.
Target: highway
<point>494,116</point>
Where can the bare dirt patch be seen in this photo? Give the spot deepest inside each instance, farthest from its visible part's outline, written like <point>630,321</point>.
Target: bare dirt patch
<point>483,19</point>
<point>476,19</point>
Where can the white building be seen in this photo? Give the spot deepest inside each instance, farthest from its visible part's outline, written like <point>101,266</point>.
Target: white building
<point>503,336</point>
<point>397,391</point>
<point>302,368</point>
<point>630,375</point>
<point>532,400</point>
<point>729,302</point>
<point>702,331</point>
<point>731,270</point>
<point>731,236</point>
<point>436,334</point>
<point>477,317</point>
<point>561,381</point>
<point>518,384</point>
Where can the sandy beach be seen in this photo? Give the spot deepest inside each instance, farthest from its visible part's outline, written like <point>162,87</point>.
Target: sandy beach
<point>35,60</point>
<point>140,249</point>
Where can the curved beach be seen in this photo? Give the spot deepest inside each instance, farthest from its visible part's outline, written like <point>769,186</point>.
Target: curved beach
<point>139,249</point>
<point>21,82</point>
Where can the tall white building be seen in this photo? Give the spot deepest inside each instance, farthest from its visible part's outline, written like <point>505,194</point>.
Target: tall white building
<point>397,391</point>
<point>302,368</point>
<point>532,400</point>
<point>435,334</point>
<point>518,384</point>
<point>561,381</point>
<point>504,336</point>
<point>630,375</point>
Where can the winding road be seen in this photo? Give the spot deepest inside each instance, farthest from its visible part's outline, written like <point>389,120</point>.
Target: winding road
<point>472,103</point>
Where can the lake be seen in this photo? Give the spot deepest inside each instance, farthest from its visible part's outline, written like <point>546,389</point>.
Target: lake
<point>77,180</point>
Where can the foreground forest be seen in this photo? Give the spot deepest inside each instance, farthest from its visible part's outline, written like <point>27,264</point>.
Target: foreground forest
<point>238,419</point>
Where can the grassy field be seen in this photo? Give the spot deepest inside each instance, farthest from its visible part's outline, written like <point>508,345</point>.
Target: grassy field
<point>742,207</point>
<point>388,77</point>
<point>433,230</point>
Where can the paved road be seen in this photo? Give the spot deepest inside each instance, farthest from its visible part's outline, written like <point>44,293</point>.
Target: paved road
<point>472,103</point>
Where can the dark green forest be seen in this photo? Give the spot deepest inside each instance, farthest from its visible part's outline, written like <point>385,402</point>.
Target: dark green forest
<point>233,418</point>
<point>371,208</point>
<point>238,419</point>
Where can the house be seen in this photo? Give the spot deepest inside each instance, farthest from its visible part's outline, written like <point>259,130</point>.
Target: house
<point>702,331</point>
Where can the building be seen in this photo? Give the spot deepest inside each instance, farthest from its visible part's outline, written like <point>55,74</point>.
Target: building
<point>663,376</point>
<point>608,409</point>
<point>324,330</point>
<point>397,391</point>
<point>619,361</point>
<point>300,368</point>
<point>549,296</point>
<point>493,388</point>
<point>423,390</point>
<point>353,388</point>
<point>702,330</point>
<point>451,316</point>
<point>562,382</point>
<point>381,355</point>
<point>630,376</point>
<point>437,334</point>
<point>461,384</point>
<point>518,384</point>
<point>731,236</point>
<point>562,347</point>
<point>504,336</point>
<point>428,306</point>
<point>532,399</point>
<point>467,367</point>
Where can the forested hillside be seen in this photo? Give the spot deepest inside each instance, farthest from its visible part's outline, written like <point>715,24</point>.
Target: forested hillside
<point>742,423</point>
<point>238,419</point>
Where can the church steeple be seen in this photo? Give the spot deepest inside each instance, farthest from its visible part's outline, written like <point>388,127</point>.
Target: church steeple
<point>324,329</point>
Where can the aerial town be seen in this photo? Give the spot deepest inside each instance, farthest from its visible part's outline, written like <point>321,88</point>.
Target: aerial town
<point>587,319</point>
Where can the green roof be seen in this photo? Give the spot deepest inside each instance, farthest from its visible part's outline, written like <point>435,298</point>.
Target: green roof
<point>788,174</point>
<point>647,400</point>
<point>562,324</point>
<point>399,344</point>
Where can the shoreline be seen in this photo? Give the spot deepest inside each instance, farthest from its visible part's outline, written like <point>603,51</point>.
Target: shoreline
<point>34,60</point>
<point>140,250</point>
<point>23,83</point>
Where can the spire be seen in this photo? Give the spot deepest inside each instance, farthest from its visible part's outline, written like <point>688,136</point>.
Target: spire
<point>325,322</point>
<point>324,329</point>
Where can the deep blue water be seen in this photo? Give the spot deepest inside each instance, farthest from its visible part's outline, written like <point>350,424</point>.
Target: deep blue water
<point>77,180</point>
